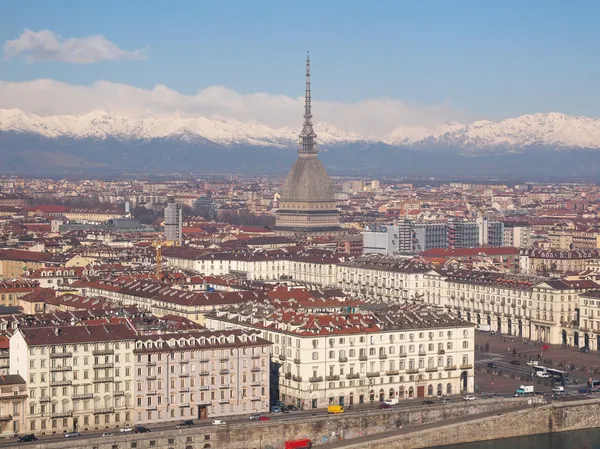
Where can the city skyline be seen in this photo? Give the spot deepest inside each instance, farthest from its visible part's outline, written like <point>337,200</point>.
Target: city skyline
<point>433,63</point>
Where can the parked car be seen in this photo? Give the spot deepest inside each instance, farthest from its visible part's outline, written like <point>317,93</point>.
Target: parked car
<point>384,405</point>
<point>107,434</point>
<point>141,429</point>
<point>275,409</point>
<point>428,402</point>
<point>126,429</point>
<point>584,349</point>
<point>545,347</point>
<point>27,438</point>
<point>492,365</point>
<point>468,397</point>
<point>515,362</point>
<point>264,418</point>
<point>218,422</point>
<point>292,408</point>
<point>284,409</point>
<point>186,423</point>
<point>255,417</point>
<point>72,434</point>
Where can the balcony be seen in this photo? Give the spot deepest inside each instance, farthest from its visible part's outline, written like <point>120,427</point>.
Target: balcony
<point>5,418</point>
<point>393,372</point>
<point>382,356</point>
<point>432,369</point>
<point>466,366</point>
<point>77,397</point>
<point>450,367</point>
<point>332,378</point>
<point>403,354</point>
<point>316,379</point>
<point>104,365</point>
<point>224,359</point>
<point>63,414</point>
<point>119,393</point>
<point>47,399</point>
<point>422,352</point>
<point>297,378</point>
<point>60,355</point>
<point>374,374</point>
<point>255,356</point>
<point>106,411</point>
<point>186,362</point>
<point>441,352</point>
<point>224,386</point>
<point>188,374</point>
<point>297,361</point>
<point>255,369</point>
<point>150,363</point>
<point>151,393</point>
<point>204,373</point>
<point>103,380</point>
<point>61,383</point>
<point>204,387</point>
<point>184,390</point>
<point>412,371</point>
<point>153,377</point>
<point>353,376</point>
<point>184,405</point>
<point>224,401</point>
<point>288,376</point>
<point>343,359</point>
<point>150,408</point>
<point>56,369</point>
<point>103,352</point>
<point>224,371</point>
<point>362,358</point>
<point>281,357</point>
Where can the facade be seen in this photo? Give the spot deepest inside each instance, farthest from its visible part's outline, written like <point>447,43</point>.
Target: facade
<point>15,263</point>
<point>173,221</point>
<point>307,204</point>
<point>199,375</point>
<point>430,235</point>
<point>517,234</point>
<point>384,240</point>
<point>78,377</point>
<point>540,260</point>
<point>372,355</point>
<point>13,399</point>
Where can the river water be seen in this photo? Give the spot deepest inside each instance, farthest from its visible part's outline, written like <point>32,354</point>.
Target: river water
<point>579,439</point>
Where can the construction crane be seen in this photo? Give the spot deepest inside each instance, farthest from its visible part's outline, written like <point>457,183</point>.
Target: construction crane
<point>158,245</point>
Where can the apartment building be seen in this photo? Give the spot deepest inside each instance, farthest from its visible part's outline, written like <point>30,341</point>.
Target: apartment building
<point>200,374</point>
<point>388,278</point>
<point>535,308</point>
<point>13,397</point>
<point>541,260</point>
<point>78,377</point>
<point>403,351</point>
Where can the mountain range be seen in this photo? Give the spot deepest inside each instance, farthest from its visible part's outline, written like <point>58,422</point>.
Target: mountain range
<point>556,144</point>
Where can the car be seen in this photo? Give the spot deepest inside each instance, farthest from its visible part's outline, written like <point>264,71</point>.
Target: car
<point>218,422</point>
<point>492,365</point>
<point>284,409</point>
<point>292,408</point>
<point>515,362</point>
<point>533,363</point>
<point>468,397</point>
<point>255,417</point>
<point>542,374</point>
<point>27,438</point>
<point>126,429</point>
<point>72,434</point>
<point>584,349</point>
<point>107,434</point>
<point>428,402</point>
<point>583,390</point>
<point>264,418</point>
<point>275,409</point>
<point>545,347</point>
<point>186,423</point>
<point>384,405</point>
<point>141,429</point>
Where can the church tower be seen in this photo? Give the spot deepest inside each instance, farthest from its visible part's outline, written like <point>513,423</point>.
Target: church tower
<point>307,203</point>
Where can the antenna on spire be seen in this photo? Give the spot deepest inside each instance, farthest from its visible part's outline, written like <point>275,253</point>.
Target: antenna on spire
<point>307,136</point>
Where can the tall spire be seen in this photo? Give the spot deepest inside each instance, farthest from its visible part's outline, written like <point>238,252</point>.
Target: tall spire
<point>307,136</point>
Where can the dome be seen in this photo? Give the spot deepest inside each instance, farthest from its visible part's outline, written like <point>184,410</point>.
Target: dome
<point>307,181</point>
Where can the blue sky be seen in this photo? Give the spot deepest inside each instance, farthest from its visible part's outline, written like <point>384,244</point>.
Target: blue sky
<point>477,59</point>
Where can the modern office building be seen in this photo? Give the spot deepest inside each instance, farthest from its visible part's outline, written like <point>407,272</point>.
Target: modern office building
<point>173,221</point>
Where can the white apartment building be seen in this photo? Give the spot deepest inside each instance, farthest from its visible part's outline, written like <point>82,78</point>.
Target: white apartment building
<point>407,351</point>
<point>78,377</point>
<point>388,278</point>
<point>535,308</point>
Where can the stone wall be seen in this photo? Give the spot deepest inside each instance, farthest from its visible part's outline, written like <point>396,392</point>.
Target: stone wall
<point>272,434</point>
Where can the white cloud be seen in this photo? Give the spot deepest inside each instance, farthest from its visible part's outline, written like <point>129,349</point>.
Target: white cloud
<point>374,117</point>
<point>44,45</point>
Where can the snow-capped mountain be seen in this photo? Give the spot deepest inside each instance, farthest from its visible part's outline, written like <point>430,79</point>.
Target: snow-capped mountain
<point>547,130</point>
<point>101,125</point>
<point>551,130</point>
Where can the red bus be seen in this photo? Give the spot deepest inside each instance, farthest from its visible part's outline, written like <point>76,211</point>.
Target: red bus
<point>298,444</point>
